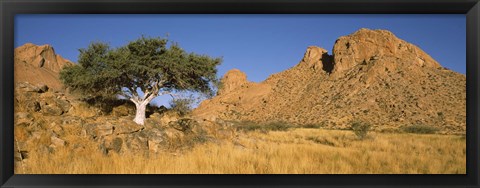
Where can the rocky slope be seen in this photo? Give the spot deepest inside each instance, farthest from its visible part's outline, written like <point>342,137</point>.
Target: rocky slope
<point>48,119</point>
<point>372,76</point>
<point>39,65</point>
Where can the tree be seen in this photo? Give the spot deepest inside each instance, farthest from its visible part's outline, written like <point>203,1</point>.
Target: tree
<point>140,71</point>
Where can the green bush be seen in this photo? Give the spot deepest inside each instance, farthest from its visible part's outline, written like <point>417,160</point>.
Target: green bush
<point>313,125</point>
<point>263,127</point>
<point>247,126</point>
<point>420,129</point>
<point>182,105</point>
<point>360,129</point>
<point>190,140</point>
<point>200,137</point>
<point>277,126</point>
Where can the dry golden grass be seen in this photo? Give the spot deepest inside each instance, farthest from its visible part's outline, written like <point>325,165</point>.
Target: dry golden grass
<point>298,151</point>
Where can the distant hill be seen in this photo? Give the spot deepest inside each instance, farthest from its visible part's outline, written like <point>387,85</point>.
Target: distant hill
<point>372,76</point>
<point>39,65</point>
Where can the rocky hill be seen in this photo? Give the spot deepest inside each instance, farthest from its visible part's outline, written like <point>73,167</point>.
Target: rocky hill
<point>49,119</point>
<point>372,76</point>
<point>39,65</point>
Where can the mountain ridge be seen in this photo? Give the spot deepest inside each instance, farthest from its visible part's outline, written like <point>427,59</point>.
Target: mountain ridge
<point>372,75</point>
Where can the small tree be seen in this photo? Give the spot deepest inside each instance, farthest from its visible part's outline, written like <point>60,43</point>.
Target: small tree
<point>360,129</point>
<point>182,105</point>
<point>140,71</point>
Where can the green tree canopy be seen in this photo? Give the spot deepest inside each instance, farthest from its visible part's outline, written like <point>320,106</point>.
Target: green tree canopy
<point>148,65</point>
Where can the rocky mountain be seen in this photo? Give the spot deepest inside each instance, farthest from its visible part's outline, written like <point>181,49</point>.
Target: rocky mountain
<point>39,65</point>
<point>371,76</point>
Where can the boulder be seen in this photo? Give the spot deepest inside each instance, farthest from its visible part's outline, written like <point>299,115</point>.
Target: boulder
<point>56,142</point>
<point>83,110</point>
<point>56,128</point>
<point>72,120</point>
<point>126,127</point>
<point>184,124</point>
<point>27,87</point>
<point>23,119</point>
<point>63,104</point>
<point>51,110</point>
<point>32,106</point>
<point>52,104</point>
<point>122,110</point>
<point>117,144</point>
<point>173,134</point>
<point>137,142</point>
<point>168,116</point>
<point>112,143</point>
<point>97,130</point>
<point>155,139</point>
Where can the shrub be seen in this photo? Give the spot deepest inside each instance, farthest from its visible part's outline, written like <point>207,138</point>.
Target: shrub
<point>182,105</point>
<point>200,137</point>
<point>310,126</point>
<point>263,127</point>
<point>190,140</point>
<point>184,124</point>
<point>313,125</point>
<point>420,129</point>
<point>247,126</point>
<point>360,129</point>
<point>277,126</point>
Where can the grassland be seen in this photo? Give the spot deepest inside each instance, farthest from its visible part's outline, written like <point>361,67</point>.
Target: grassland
<point>296,151</point>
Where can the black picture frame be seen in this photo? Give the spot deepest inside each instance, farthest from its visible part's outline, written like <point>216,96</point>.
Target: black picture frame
<point>9,8</point>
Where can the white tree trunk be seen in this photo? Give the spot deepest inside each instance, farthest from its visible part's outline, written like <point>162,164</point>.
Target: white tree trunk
<point>141,105</point>
<point>140,115</point>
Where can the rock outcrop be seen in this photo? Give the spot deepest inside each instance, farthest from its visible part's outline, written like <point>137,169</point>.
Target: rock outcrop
<point>39,65</point>
<point>372,75</point>
<point>48,121</point>
<point>366,45</point>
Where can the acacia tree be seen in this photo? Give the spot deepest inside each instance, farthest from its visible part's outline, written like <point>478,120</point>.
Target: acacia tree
<point>140,71</point>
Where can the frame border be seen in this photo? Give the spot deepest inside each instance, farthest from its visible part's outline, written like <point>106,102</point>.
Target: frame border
<point>9,8</point>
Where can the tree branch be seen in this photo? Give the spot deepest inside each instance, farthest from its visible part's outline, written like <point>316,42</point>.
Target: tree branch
<point>146,95</point>
<point>150,98</point>
<point>132,91</point>
<point>156,85</point>
<point>134,101</point>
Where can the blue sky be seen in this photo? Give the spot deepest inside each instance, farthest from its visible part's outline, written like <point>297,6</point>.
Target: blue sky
<point>259,45</point>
